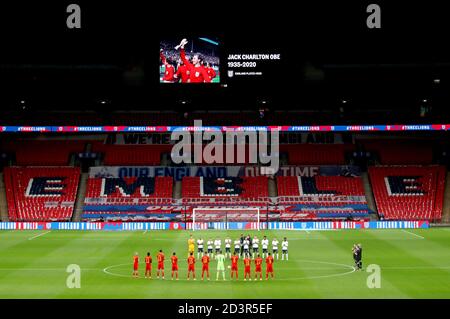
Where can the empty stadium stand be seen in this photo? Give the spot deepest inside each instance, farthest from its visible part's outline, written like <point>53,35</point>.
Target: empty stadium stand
<point>129,196</point>
<point>319,186</point>
<point>129,187</point>
<point>194,189</point>
<point>409,192</point>
<point>37,152</point>
<point>400,152</point>
<point>131,154</point>
<point>321,197</point>
<point>41,193</point>
<point>315,154</point>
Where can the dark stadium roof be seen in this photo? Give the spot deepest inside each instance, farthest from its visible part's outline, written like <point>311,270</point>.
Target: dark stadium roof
<point>328,56</point>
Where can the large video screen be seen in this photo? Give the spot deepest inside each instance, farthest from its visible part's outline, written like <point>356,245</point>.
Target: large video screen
<point>189,60</point>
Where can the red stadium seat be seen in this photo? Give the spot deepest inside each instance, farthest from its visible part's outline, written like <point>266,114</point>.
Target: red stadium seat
<point>132,154</point>
<point>35,152</point>
<point>400,152</point>
<point>315,154</point>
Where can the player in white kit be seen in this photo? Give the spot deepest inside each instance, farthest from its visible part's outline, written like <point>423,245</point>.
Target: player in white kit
<point>284,249</point>
<point>199,248</point>
<point>265,246</point>
<point>217,245</point>
<point>210,247</point>
<point>246,245</point>
<point>275,247</point>
<point>237,246</point>
<point>228,247</point>
<point>255,246</point>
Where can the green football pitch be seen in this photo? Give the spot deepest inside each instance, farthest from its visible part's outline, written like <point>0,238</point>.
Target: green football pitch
<point>413,264</point>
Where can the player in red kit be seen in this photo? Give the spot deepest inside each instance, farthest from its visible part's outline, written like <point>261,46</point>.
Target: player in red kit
<point>169,69</point>
<point>148,266</point>
<point>135,265</point>
<point>182,73</point>
<point>197,73</point>
<point>234,265</point>
<point>160,259</point>
<point>205,266</point>
<point>211,72</point>
<point>191,266</point>
<point>247,264</point>
<point>174,260</point>
<point>269,266</point>
<point>258,265</point>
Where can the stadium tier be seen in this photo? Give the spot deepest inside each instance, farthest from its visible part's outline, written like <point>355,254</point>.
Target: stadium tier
<point>323,196</point>
<point>317,154</point>
<point>35,152</point>
<point>408,192</point>
<point>400,152</point>
<point>41,193</point>
<point>132,154</point>
<point>120,198</point>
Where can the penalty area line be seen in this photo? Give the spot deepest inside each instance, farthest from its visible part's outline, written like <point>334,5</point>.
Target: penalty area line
<point>31,238</point>
<point>405,231</point>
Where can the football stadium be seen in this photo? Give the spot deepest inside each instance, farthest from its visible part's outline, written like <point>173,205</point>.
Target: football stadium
<point>275,165</point>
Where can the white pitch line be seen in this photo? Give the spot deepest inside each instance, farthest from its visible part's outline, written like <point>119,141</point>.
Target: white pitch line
<point>290,268</point>
<point>144,232</point>
<point>405,231</point>
<point>31,238</point>
<point>46,269</point>
<point>352,270</point>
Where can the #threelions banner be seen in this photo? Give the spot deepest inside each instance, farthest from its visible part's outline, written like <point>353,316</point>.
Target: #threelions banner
<point>281,128</point>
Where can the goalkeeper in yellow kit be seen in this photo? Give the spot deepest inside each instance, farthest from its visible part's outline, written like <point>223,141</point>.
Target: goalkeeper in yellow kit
<point>191,245</point>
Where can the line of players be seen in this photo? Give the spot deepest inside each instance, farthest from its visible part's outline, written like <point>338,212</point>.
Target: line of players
<point>205,260</point>
<point>245,245</point>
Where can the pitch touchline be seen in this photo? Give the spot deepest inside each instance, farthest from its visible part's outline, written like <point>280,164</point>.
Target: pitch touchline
<point>31,238</point>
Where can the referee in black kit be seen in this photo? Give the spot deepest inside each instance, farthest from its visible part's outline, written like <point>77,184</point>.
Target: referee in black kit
<point>242,244</point>
<point>357,256</point>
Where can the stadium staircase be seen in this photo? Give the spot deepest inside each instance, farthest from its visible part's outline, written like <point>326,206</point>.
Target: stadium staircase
<point>369,195</point>
<point>272,187</point>
<point>446,208</point>
<point>3,205</point>
<point>177,186</point>
<point>81,194</point>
